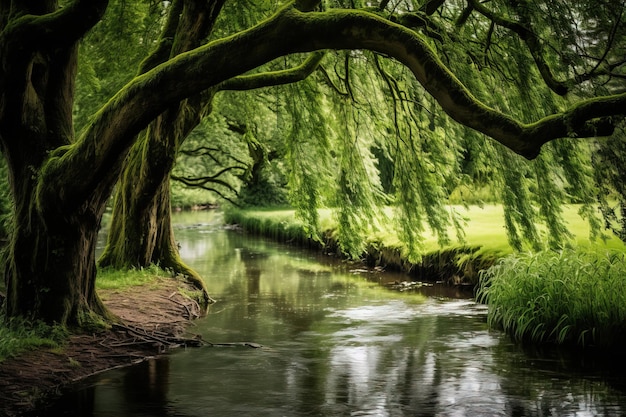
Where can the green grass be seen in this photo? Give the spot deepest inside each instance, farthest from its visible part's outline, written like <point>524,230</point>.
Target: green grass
<point>485,239</point>
<point>19,336</point>
<point>116,279</point>
<point>484,229</point>
<point>574,297</point>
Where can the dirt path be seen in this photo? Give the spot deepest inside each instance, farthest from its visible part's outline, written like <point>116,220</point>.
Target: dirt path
<point>156,317</point>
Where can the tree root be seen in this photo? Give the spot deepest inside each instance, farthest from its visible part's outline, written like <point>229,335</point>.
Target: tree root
<point>129,335</point>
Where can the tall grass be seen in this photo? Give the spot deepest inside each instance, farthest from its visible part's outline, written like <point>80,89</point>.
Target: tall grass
<point>573,297</point>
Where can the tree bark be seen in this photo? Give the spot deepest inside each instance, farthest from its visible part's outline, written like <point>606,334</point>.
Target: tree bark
<point>50,267</point>
<point>141,232</point>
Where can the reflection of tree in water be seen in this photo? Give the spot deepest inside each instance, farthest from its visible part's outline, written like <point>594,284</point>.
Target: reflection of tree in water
<point>148,382</point>
<point>253,279</point>
<point>389,378</point>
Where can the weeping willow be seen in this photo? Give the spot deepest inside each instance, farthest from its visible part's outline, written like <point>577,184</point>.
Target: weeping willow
<point>308,153</point>
<point>360,135</point>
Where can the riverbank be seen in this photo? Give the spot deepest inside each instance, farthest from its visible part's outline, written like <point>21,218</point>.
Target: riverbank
<point>455,264</point>
<point>573,297</point>
<point>458,263</point>
<point>156,317</point>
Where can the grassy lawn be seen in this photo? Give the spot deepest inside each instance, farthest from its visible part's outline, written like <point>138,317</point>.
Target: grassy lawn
<point>484,228</point>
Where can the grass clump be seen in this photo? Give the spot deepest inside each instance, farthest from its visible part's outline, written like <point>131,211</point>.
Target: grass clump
<point>572,297</point>
<point>115,279</point>
<point>19,335</point>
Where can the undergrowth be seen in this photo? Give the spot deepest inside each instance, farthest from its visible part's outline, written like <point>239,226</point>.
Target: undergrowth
<point>572,297</point>
<point>19,335</point>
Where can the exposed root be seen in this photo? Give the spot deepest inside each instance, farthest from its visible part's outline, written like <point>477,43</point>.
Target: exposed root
<point>138,336</point>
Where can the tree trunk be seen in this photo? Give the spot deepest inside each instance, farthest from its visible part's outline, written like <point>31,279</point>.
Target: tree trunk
<point>49,266</point>
<point>50,270</point>
<point>141,233</point>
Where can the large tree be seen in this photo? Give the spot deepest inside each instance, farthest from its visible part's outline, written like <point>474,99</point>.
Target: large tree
<point>60,181</point>
<point>471,38</point>
<point>141,231</point>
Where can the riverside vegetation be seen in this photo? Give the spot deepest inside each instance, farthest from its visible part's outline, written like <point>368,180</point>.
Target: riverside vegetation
<point>574,297</point>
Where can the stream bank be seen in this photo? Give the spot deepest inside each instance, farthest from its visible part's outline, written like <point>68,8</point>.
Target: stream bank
<point>458,265</point>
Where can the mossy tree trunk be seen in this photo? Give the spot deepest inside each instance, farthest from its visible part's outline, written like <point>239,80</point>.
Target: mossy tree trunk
<point>50,265</point>
<point>141,232</point>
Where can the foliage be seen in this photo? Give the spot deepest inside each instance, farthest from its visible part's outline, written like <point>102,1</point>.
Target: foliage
<point>382,120</point>
<point>111,53</point>
<point>571,297</point>
<point>361,132</point>
<point>18,335</point>
<point>211,159</point>
<point>609,158</point>
<point>185,198</point>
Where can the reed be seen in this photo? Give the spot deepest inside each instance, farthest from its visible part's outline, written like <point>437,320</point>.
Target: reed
<point>573,297</point>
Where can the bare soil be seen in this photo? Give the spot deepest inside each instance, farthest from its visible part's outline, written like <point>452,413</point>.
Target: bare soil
<point>155,318</point>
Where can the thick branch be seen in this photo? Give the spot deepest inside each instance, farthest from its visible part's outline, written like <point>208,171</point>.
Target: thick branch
<point>273,78</point>
<point>289,31</point>
<point>59,29</point>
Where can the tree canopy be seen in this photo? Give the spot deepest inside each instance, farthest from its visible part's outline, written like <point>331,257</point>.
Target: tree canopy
<point>418,84</point>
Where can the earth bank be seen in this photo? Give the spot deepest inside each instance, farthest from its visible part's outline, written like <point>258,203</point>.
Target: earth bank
<point>154,317</point>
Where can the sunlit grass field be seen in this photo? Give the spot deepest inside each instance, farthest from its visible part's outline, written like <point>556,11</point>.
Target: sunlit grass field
<point>484,228</point>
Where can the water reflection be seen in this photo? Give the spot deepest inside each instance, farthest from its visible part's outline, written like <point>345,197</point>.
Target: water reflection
<point>337,344</point>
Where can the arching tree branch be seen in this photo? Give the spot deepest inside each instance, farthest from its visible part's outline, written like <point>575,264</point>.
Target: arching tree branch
<point>290,31</point>
<point>58,29</point>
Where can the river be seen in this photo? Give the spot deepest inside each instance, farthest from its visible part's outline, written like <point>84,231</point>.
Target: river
<point>335,342</point>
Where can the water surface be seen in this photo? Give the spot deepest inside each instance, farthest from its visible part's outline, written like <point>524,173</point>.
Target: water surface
<point>335,342</point>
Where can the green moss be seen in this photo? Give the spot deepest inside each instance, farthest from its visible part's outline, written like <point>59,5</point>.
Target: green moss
<point>114,279</point>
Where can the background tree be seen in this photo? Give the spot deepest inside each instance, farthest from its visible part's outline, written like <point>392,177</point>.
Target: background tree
<point>141,233</point>
<point>60,182</point>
